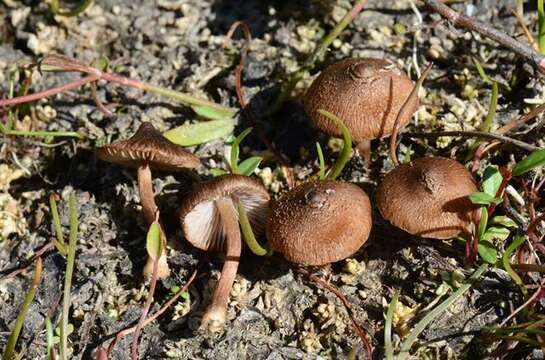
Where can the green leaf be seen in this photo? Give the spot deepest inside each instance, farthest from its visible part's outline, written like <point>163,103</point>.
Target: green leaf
<point>504,221</point>
<point>483,223</point>
<point>248,166</point>
<point>492,180</point>
<point>210,113</point>
<point>321,173</point>
<point>535,159</point>
<point>235,150</point>
<point>198,133</point>
<point>217,172</point>
<point>499,233</point>
<point>482,198</point>
<point>185,295</point>
<point>153,241</point>
<point>487,251</point>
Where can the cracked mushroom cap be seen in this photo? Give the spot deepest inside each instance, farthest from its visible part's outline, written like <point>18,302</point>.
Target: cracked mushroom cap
<point>149,145</point>
<point>366,93</point>
<point>200,220</point>
<point>320,222</point>
<point>428,197</point>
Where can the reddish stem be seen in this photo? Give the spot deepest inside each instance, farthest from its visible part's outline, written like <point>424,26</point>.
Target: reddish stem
<point>49,92</point>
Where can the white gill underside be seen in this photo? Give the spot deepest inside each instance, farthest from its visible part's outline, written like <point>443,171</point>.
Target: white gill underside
<point>203,225</point>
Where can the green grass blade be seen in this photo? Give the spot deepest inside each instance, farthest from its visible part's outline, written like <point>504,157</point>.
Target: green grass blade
<point>12,340</point>
<point>344,157</point>
<point>321,173</point>
<point>426,320</point>
<point>235,150</point>
<point>68,275</point>
<point>541,26</point>
<point>486,126</point>
<point>535,159</point>
<point>517,241</point>
<point>59,243</point>
<point>49,338</point>
<point>388,347</point>
<point>247,232</point>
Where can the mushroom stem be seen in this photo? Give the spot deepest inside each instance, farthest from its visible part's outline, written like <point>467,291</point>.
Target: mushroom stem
<point>214,317</point>
<point>149,208</point>
<point>145,188</point>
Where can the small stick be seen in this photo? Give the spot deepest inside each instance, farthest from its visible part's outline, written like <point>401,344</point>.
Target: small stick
<point>156,314</point>
<point>404,108</point>
<point>49,246</point>
<point>344,301</point>
<point>522,24</point>
<point>288,171</point>
<point>536,59</point>
<point>477,134</point>
<point>524,118</point>
<point>530,300</point>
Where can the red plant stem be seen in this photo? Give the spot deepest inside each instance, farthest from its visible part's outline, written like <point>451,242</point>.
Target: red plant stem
<point>479,152</point>
<point>49,92</point>
<point>403,113</point>
<point>243,105</point>
<point>149,300</point>
<point>50,245</point>
<point>506,174</point>
<point>533,225</point>
<point>155,315</point>
<point>532,299</point>
<point>518,122</point>
<point>536,59</point>
<point>344,301</point>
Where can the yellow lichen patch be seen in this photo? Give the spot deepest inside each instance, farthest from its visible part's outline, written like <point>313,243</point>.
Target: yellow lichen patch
<point>7,175</point>
<point>11,220</point>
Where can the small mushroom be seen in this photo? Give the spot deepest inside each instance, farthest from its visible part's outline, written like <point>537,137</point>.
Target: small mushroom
<point>209,220</point>
<point>320,222</point>
<point>428,197</point>
<point>147,149</point>
<point>366,93</point>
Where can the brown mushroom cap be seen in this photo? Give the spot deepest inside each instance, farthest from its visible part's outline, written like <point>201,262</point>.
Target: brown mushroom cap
<point>199,216</point>
<point>149,145</point>
<point>428,197</point>
<point>320,222</point>
<point>359,92</point>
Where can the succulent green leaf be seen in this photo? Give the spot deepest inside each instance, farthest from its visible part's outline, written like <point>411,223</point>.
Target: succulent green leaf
<point>153,241</point>
<point>503,221</point>
<point>492,180</point>
<point>498,233</point>
<point>487,251</point>
<point>535,159</point>
<point>199,133</point>
<point>482,198</point>
<point>210,113</point>
<point>248,166</point>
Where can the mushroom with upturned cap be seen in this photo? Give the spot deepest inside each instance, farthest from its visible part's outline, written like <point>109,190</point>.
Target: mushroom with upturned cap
<point>366,93</point>
<point>320,222</point>
<point>148,149</point>
<point>428,197</point>
<point>209,220</point>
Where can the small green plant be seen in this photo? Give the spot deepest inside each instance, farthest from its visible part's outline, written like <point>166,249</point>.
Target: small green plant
<point>346,151</point>
<point>9,351</point>
<point>541,26</point>
<point>70,259</point>
<point>439,309</point>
